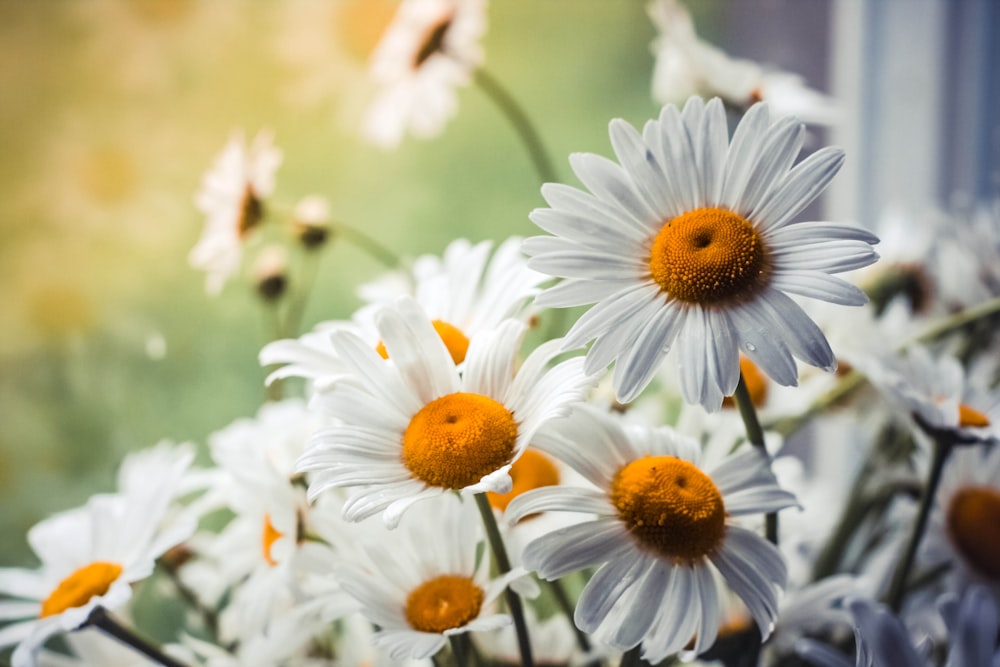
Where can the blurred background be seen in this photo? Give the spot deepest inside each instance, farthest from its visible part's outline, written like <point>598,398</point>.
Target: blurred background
<point>113,109</point>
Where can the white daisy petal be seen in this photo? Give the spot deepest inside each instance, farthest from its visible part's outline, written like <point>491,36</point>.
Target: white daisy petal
<point>556,499</point>
<point>573,547</point>
<point>819,286</point>
<point>802,184</point>
<point>613,580</point>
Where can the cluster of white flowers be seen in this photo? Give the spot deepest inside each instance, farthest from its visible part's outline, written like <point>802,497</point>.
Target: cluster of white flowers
<point>463,481</point>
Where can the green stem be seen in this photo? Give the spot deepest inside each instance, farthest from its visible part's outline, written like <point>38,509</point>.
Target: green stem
<point>503,565</point>
<point>755,434</point>
<point>522,124</point>
<point>566,606</point>
<point>897,589</point>
<point>362,241</point>
<point>99,618</point>
<point>272,324</point>
<point>297,307</point>
<point>958,321</point>
<point>460,649</point>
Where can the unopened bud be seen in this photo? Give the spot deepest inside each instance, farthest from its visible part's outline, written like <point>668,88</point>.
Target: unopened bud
<point>271,273</point>
<point>311,221</point>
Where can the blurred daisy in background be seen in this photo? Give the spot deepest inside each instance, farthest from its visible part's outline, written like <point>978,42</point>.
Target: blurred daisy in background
<point>964,528</point>
<point>232,198</point>
<point>935,393</point>
<point>689,243</point>
<point>430,49</point>
<point>663,529</point>
<point>686,65</point>
<point>465,291</point>
<point>411,427</point>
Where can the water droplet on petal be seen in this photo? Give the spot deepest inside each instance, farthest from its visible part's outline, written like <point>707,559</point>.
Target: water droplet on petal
<point>751,347</point>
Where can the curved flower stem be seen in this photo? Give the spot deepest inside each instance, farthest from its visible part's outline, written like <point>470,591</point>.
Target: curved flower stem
<point>362,241</point>
<point>755,434</point>
<point>503,564</point>
<point>99,618</point>
<point>897,589</point>
<point>522,124</point>
<point>958,320</point>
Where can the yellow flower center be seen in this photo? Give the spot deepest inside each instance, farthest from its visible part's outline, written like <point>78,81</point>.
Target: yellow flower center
<point>455,440</point>
<point>973,520</point>
<point>251,212</point>
<point>971,417</point>
<point>268,537</point>
<point>80,587</point>
<point>433,41</point>
<point>453,338</point>
<point>445,602</point>
<point>756,382</point>
<point>670,507</point>
<point>709,256</point>
<point>532,471</point>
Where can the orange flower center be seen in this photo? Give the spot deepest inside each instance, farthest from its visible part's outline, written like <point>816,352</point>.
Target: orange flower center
<point>268,537</point>
<point>445,602</point>
<point>971,417</point>
<point>709,256</point>
<point>973,520</point>
<point>670,507</point>
<point>455,440</point>
<point>251,212</point>
<point>532,471</point>
<point>453,338</point>
<point>433,41</point>
<point>80,587</point>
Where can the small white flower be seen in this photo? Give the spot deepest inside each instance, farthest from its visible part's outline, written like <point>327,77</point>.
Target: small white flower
<point>431,48</point>
<point>420,584</point>
<point>232,199</point>
<point>663,529</point>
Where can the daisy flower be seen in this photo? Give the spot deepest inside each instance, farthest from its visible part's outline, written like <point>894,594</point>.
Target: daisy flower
<point>412,427</point>
<point>465,291</point>
<point>690,243</point>
<point>687,65</point>
<point>430,48</point>
<point>232,199</point>
<point>935,393</point>
<point>90,557</point>
<point>964,527</point>
<point>420,590</point>
<point>663,529</point>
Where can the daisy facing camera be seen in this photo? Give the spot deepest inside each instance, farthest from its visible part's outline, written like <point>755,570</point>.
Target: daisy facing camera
<point>689,241</point>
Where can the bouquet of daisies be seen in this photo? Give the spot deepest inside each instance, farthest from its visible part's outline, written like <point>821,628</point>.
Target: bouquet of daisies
<point>664,429</point>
